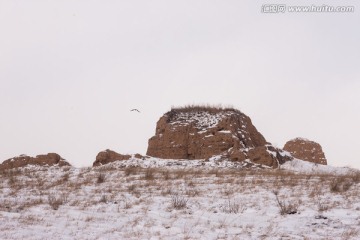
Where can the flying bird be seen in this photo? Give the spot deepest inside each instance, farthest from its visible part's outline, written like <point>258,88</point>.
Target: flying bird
<point>132,110</point>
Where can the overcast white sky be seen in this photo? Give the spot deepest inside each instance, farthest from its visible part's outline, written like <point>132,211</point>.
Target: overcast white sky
<point>71,70</point>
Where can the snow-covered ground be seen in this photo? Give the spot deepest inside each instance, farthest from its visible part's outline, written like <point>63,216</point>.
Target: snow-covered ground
<point>179,199</point>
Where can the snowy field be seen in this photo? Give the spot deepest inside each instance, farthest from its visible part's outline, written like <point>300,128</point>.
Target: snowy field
<point>159,199</point>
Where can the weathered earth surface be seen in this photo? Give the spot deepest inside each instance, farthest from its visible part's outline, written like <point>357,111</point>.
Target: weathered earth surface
<point>203,134</point>
<point>306,150</point>
<point>199,135</point>
<point>109,156</point>
<point>50,159</point>
<point>267,155</point>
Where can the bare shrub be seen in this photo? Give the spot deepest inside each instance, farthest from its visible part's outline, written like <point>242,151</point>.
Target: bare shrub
<point>88,180</point>
<point>66,177</point>
<point>215,172</point>
<point>340,184</point>
<point>350,233</point>
<point>11,172</point>
<point>56,201</point>
<point>166,191</point>
<point>89,219</point>
<point>356,177</point>
<point>227,191</point>
<point>107,168</point>
<point>131,188</point>
<point>178,201</point>
<point>103,199</point>
<point>335,186</point>
<point>285,208</point>
<point>30,220</point>
<point>66,168</point>
<point>166,174</point>
<point>31,203</point>
<point>230,207</point>
<point>316,191</point>
<point>127,203</point>
<point>192,192</point>
<point>180,174</point>
<point>130,170</point>
<point>322,207</point>
<point>62,180</point>
<point>191,184</point>
<point>149,174</point>
<point>101,178</point>
<point>12,181</point>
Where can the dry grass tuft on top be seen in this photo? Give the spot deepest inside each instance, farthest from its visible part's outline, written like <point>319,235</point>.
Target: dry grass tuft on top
<point>202,108</point>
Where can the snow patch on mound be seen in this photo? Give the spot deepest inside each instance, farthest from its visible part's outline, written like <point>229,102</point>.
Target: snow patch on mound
<point>202,120</point>
<point>213,162</point>
<point>301,166</point>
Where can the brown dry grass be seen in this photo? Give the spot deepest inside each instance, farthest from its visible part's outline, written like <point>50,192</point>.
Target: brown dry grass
<point>187,183</point>
<point>56,201</point>
<point>351,233</point>
<point>285,207</point>
<point>131,171</point>
<point>341,184</point>
<point>101,178</point>
<point>178,201</point>
<point>10,172</point>
<point>149,174</point>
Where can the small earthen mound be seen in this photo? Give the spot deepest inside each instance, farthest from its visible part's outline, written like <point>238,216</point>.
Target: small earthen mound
<point>306,150</point>
<point>50,159</point>
<point>109,156</point>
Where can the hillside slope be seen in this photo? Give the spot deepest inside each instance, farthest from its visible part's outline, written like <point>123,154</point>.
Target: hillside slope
<point>180,199</point>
